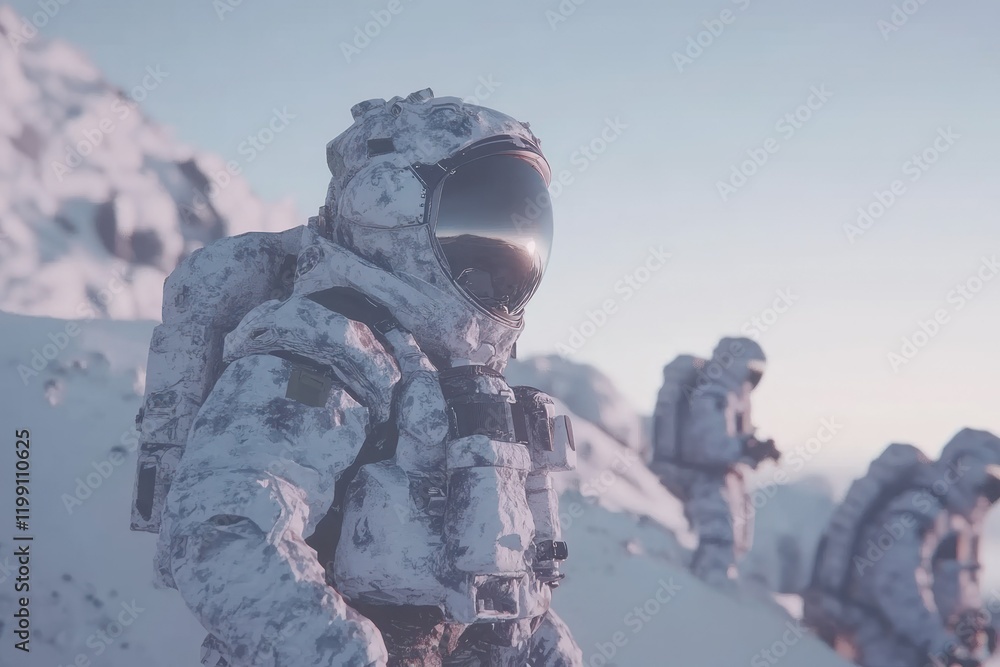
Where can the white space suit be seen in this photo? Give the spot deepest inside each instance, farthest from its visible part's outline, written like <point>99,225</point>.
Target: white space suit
<point>703,437</point>
<point>910,595</point>
<point>361,486</point>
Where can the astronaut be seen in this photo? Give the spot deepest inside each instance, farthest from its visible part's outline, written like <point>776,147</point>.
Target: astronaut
<point>896,582</point>
<point>360,486</point>
<point>703,442</point>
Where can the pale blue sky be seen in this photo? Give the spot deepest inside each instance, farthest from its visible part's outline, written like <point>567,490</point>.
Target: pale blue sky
<point>656,184</point>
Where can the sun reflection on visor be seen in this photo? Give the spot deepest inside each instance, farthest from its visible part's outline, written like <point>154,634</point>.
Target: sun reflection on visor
<point>493,222</point>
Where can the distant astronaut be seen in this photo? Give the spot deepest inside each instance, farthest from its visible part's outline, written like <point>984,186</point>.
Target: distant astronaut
<point>703,440</point>
<point>896,580</point>
<point>359,486</point>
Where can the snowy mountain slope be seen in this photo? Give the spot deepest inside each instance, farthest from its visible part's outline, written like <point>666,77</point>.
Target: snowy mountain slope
<point>91,575</point>
<point>98,203</point>
<point>587,392</point>
<point>789,522</point>
<point>85,564</point>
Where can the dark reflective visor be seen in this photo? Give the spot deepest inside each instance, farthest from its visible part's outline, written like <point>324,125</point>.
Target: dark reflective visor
<point>991,489</point>
<point>494,224</point>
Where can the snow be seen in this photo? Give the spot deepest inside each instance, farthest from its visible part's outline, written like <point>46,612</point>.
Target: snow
<point>790,519</point>
<point>85,563</point>
<point>628,540</point>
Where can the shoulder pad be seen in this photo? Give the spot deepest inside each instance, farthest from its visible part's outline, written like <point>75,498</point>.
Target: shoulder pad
<point>303,331</point>
<point>710,388</point>
<point>218,284</point>
<point>922,504</point>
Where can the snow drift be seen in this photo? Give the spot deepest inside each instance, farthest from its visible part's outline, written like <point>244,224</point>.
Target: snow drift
<point>626,596</point>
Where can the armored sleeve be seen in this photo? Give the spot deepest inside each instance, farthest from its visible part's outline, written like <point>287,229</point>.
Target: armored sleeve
<point>948,576</point>
<point>257,475</point>
<point>901,582</point>
<point>707,440</point>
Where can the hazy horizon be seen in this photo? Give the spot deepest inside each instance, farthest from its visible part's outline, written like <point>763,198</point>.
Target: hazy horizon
<point>837,107</point>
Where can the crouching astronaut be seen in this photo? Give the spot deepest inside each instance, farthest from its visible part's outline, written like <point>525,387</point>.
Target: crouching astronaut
<point>361,486</point>
<point>912,592</point>
<point>703,441</point>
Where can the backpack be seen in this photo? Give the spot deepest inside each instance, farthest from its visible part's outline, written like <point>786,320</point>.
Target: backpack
<point>204,298</point>
<point>680,378</point>
<point>894,471</point>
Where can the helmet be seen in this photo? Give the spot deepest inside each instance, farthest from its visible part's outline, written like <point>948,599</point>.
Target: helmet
<point>739,360</point>
<point>450,196</point>
<point>969,469</point>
